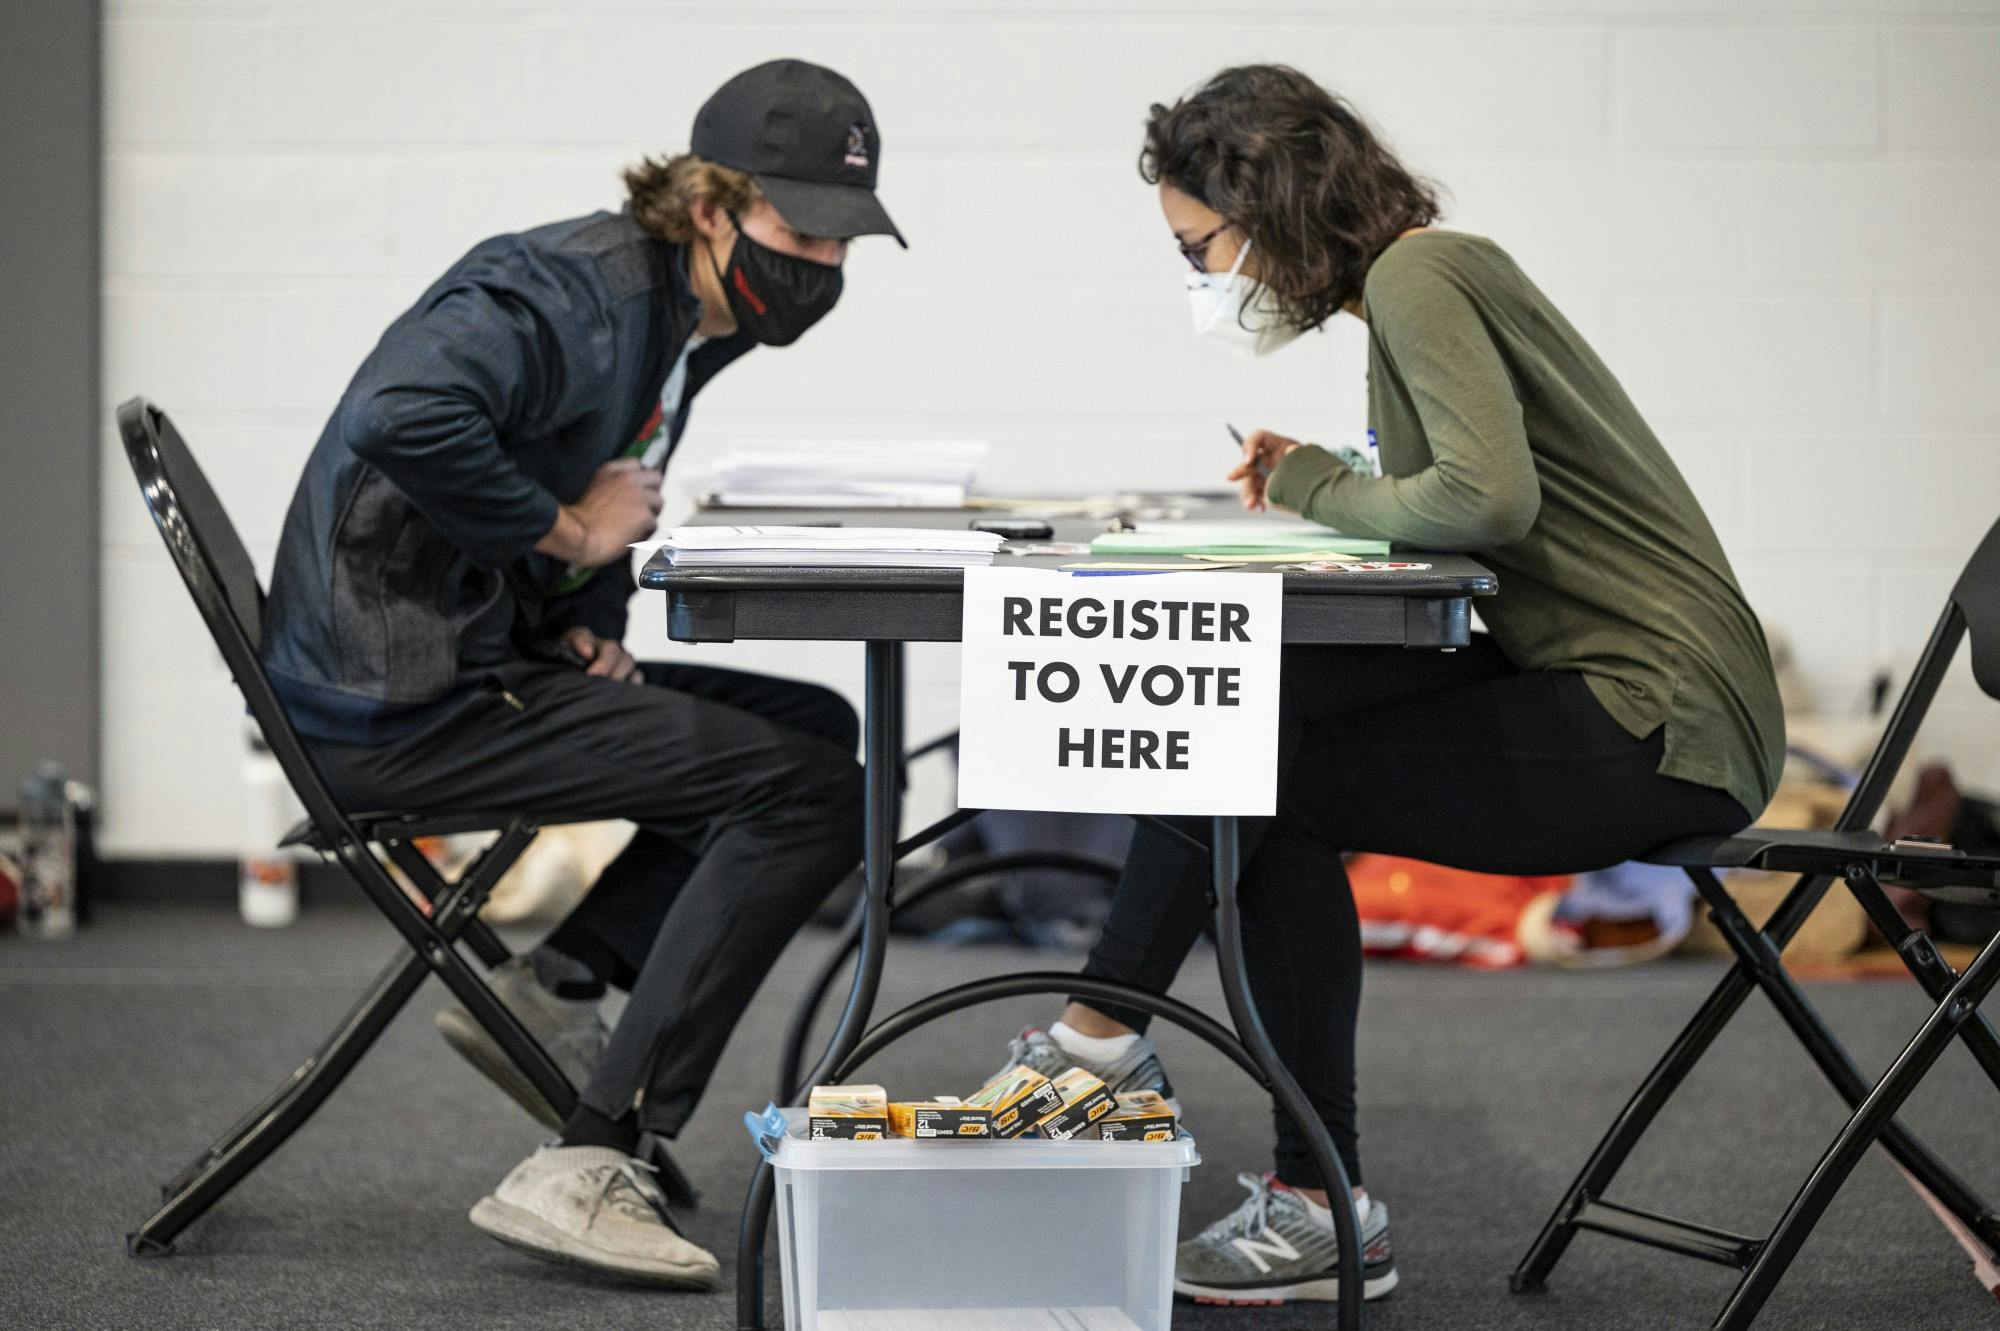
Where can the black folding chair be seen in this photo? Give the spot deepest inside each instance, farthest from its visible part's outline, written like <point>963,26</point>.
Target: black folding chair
<point>1864,862</point>
<point>223,582</point>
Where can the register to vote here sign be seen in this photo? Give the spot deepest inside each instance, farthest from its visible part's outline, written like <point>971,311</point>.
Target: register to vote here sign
<point>1142,693</point>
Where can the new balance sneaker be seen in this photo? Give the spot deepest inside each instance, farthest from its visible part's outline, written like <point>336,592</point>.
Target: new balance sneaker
<point>595,1207</point>
<point>568,1028</point>
<point>1273,1250</point>
<point>1137,1069</point>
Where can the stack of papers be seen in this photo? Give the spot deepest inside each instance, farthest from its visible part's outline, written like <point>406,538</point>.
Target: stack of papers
<point>823,547</point>
<point>1250,536</point>
<point>845,473</point>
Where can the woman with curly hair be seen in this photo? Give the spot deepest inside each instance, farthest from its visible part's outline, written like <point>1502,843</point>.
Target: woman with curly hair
<point>1622,696</point>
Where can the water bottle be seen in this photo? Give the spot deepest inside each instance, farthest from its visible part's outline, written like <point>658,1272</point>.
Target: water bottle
<point>267,893</point>
<point>48,855</point>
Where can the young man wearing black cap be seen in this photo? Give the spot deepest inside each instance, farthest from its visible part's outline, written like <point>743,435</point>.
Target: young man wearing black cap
<point>450,592</point>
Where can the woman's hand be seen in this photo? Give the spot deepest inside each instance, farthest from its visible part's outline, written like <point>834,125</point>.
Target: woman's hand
<point>1262,452</point>
<point>601,656</point>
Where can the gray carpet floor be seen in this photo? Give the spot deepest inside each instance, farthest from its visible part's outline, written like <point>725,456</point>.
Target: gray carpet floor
<point>125,1050</point>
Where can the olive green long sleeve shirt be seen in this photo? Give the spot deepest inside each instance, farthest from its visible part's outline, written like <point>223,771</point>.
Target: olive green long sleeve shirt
<point>1502,434</point>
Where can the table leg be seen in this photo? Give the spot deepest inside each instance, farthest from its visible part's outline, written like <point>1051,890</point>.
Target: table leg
<point>1225,854</point>
<point>898,703</point>
<point>881,750</point>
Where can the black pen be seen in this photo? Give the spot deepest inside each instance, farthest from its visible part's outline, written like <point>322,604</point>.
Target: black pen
<point>1235,434</point>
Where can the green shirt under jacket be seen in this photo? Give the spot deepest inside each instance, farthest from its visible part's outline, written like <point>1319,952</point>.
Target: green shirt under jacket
<point>1502,434</point>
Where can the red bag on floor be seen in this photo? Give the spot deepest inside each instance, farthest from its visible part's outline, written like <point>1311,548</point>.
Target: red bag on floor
<point>1426,912</point>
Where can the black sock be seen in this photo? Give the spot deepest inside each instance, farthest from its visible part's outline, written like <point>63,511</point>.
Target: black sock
<point>564,975</point>
<point>586,1127</point>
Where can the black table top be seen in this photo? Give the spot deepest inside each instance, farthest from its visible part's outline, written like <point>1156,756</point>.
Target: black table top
<point>1419,607</point>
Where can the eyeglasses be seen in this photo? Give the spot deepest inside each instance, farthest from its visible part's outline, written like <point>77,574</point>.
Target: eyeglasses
<point>1196,252</point>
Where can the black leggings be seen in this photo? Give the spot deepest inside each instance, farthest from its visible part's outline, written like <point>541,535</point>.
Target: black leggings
<point>1457,758</point>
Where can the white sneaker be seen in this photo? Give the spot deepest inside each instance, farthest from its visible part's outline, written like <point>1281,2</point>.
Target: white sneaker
<point>596,1207</point>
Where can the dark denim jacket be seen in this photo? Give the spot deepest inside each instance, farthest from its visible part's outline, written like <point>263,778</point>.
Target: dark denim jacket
<point>406,573</point>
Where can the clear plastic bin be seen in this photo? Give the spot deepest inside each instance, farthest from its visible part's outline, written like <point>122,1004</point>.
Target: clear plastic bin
<point>904,1235</point>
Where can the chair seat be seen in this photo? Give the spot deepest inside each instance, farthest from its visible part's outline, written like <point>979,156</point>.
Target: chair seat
<point>400,825</point>
<point>1939,871</point>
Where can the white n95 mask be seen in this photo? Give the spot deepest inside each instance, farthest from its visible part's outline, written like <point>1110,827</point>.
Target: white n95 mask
<point>1236,311</point>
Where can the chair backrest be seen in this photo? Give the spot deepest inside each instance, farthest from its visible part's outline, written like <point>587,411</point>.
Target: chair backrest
<point>1971,611</point>
<point>195,526</point>
<point>1977,596</point>
<point>223,582</point>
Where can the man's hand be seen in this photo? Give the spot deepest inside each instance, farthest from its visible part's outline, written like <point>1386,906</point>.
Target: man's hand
<point>602,656</point>
<point>1262,452</point>
<point>621,506</point>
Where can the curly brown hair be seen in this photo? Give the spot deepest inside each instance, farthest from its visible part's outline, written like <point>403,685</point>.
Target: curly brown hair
<point>1299,172</point>
<point>662,193</point>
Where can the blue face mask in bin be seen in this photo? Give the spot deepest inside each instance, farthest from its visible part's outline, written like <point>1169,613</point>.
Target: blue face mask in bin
<point>766,1129</point>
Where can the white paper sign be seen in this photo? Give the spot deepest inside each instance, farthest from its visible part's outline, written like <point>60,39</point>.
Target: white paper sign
<point>1152,693</point>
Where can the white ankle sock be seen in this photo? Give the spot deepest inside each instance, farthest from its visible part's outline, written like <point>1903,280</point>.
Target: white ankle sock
<point>1322,1215</point>
<point>1092,1048</point>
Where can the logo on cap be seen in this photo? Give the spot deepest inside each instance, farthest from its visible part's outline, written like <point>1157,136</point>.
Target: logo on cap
<point>857,145</point>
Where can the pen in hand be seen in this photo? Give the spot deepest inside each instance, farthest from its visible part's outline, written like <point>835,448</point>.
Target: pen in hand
<point>1253,490</point>
<point>1237,435</point>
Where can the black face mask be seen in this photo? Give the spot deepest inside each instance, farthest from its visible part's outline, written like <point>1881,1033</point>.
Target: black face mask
<point>775,297</point>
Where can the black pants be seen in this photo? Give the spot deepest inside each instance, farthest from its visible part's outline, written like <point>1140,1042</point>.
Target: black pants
<point>1456,758</point>
<point>748,800</point>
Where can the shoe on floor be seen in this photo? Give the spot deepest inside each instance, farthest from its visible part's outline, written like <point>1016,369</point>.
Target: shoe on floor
<point>595,1207</point>
<point>1272,1250</point>
<point>1137,1069</point>
<point>568,1028</point>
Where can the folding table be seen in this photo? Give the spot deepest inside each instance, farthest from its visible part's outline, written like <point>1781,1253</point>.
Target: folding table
<point>885,608</point>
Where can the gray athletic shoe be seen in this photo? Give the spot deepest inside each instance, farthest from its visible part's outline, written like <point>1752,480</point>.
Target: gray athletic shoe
<point>1139,1069</point>
<point>1271,1250</point>
<point>568,1028</point>
<point>595,1207</point>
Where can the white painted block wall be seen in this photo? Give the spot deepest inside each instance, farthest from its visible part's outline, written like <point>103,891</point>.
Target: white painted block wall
<point>1776,221</point>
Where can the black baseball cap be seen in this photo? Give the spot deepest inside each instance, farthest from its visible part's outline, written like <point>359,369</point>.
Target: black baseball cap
<point>808,139</point>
